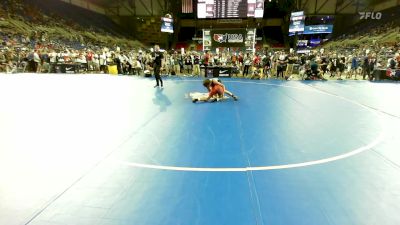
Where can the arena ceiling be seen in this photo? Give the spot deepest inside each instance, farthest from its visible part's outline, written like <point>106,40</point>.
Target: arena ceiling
<point>113,2</point>
<point>135,7</point>
<point>311,7</point>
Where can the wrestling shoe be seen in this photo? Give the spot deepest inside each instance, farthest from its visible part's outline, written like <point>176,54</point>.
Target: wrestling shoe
<point>195,100</point>
<point>235,97</point>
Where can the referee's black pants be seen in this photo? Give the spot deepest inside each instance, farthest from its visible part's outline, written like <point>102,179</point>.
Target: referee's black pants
<point>157,75</point>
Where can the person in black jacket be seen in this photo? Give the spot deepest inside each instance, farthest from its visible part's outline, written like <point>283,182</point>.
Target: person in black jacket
<point>368,66</point>
<point>157,60</point>
<point>324,64</point>
<point>117,61</point>
<point>372,64</point>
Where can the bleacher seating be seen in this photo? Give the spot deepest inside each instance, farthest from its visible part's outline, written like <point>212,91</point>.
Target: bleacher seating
<point>60,23</point>
<point>148,30</point>
<point>77,15</point>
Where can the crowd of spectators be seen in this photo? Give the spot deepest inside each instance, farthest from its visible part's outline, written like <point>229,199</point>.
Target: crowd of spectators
<point>318,64</point>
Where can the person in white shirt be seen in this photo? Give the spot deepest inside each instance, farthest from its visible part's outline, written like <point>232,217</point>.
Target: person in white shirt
<point>131,62</point>
<point>59,57</point>
<point>176,66</point>
<point>73,56</point>
<point>247,63</point>
<point>11,67</point>
<point>67,56</point>
<point>96,62</point>
<point>53,56</point>
<point>103,62</point>
<point>83,61</point>
<point>281,64</point>
<point>223,59</point>
<point>138,67</point>
<point>36,61</point>
<point>196,64</point>
<point>53,60</point>
<point>166,64</point>
<point>349,59</point>
<point>109,60</point>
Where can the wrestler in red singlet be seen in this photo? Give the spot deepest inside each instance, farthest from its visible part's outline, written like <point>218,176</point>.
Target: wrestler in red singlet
<point>216,89</point>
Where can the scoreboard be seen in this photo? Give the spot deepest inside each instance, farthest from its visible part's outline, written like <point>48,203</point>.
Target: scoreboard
<point>230,8</point>
<point>167,25</point>
<point>297,22</point>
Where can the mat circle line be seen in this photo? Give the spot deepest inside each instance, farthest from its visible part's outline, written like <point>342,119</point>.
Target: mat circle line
<point>272,167</point>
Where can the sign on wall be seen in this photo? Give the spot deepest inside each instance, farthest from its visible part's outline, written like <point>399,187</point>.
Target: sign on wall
<point>318,29</point>
<point>228,37</point>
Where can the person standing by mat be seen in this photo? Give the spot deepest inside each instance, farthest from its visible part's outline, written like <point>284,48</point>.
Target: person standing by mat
<point>157,60</point>
<point>216,90</point>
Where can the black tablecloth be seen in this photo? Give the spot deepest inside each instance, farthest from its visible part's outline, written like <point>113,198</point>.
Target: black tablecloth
<point>386,74</point>
<point>218,71</point>
<point>68,68</point>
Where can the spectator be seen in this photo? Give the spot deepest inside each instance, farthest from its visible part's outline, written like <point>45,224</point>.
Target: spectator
<point>196,65</point>
<point>36,61</point>
<point>281,64</point>
<point>206,62</point>
<point>392,62</point>
<point>247,63</point>
<point>187,63</point>
<point>53,61</point>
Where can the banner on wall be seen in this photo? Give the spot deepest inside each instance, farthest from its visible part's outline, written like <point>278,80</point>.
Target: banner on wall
<point>318,29</point>
<point>302,43</point>
<point>206,40</point>
<point>250,40</point>
<point>315,42</point>
<point>228,37</point>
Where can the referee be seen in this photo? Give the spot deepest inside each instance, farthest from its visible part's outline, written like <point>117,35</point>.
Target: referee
<point>157,58</point>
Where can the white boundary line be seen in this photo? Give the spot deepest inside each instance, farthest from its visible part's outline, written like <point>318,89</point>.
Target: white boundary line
<point>275,167</point>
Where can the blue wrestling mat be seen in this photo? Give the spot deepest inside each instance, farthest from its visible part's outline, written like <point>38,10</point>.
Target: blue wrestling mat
<point>113,150</point>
